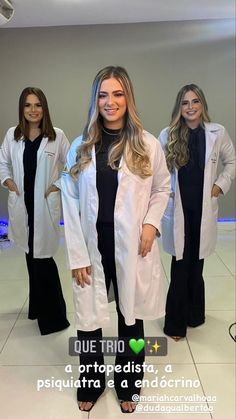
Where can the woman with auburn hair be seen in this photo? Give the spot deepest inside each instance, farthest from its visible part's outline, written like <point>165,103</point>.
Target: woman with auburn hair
<point>30,156</point>
<point>193,146</point>
<point>114,195</point>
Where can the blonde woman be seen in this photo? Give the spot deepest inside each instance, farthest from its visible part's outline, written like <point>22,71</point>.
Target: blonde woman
<point>193,146</point>
<point>114,197</point>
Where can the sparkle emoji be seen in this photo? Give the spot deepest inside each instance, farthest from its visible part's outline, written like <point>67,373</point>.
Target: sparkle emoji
<point>153,348</point>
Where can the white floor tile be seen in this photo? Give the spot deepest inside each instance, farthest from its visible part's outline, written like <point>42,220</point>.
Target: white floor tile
<point>12,271</point>
<point>220,293</point>
<point>227,255</point>
<point>21,400</point>
<point>218,380</point>
<point>25,345</point>
<point>214,266</point>
<point>7,322</point>
<point>13,296</point>
<point>225,247</point>
<point>211,342</point>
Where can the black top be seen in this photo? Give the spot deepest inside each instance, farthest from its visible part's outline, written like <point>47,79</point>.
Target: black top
<point>106,179</point>
<point>30,166</point>
<point>191,176</point>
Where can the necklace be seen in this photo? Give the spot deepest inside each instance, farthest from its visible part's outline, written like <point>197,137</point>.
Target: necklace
<point>115,131</point>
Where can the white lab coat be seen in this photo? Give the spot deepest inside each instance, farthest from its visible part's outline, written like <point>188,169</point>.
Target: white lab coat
<point>46,210</point>
<point>218,146</point>
<point>138,201</point>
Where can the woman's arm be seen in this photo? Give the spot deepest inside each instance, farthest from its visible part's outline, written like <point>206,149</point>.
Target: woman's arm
<point>160,191</point>
<point>6,173</point>
<point>76,246</point>
<point>227,157</point>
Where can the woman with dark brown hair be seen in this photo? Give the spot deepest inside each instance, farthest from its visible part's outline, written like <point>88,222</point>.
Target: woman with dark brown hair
<point>29,167</point>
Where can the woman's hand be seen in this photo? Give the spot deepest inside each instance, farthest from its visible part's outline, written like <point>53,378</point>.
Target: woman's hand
<point>52,188</point>
<point>148,235</point>
<point>81,275</point>
<point>216,191</point>
<point>10,184</point>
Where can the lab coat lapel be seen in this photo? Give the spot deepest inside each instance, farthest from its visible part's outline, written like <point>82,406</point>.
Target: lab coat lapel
<point>42,147</point>
<point>211,135</point>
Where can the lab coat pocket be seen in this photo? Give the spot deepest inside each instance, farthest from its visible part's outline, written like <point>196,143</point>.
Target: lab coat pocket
<point>17,218</point>
<point>215,207</point>
<point>149,293</point>
<point>54,207</point>
<point>12,199</point>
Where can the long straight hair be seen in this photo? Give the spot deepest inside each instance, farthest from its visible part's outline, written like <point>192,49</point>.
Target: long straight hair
<point>129,144</point>
<point>22,129</point>
<point>177,154</point>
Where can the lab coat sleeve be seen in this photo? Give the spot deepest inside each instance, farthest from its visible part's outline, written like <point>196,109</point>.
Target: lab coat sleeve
<point>5,160</point>
<point>77,250</point>
<point>227,157</point>
<point>63,150</point>
<point>160,190</point>
<point>163,137</point>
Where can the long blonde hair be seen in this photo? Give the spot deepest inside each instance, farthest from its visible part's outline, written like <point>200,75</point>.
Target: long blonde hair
<point>129,144</point>
<point>177,154</point>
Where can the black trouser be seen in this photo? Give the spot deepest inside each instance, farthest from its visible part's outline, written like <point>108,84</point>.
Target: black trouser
<point>46,302</point>
<point>106,248</point>
<point>185,304</point>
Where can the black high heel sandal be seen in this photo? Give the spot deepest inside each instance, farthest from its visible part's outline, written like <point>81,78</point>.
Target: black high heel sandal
<point>127,411</point>
<point>176,338</point>
<point>86,410</point>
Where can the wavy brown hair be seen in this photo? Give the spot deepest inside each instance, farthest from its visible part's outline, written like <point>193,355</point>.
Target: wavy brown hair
<point>129,144</point>
<point>177,154</point>
<point>22,129</point>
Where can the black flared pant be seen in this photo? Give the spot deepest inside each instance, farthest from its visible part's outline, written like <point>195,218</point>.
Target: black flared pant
<point>185,305</point>
<point>46,302</point>
<point>106,248</point>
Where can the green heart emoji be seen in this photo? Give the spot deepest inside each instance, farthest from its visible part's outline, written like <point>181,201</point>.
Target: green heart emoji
<point>136,345</point>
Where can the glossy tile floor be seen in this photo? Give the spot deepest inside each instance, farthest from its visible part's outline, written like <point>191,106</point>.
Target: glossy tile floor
<point>203,363</point>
